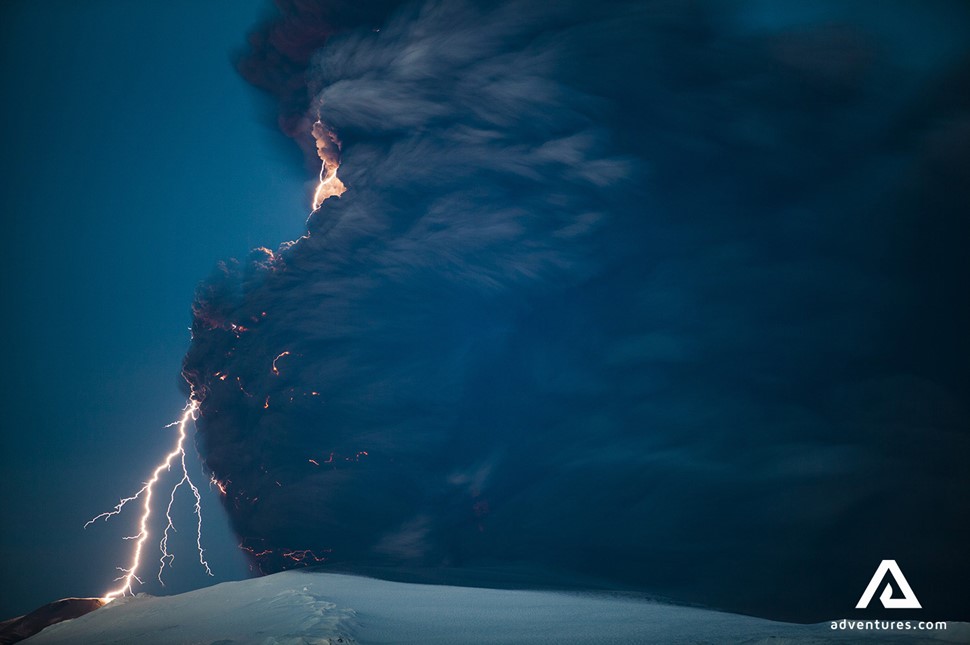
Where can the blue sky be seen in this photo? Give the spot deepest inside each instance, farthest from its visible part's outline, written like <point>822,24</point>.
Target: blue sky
<point>135,158</point>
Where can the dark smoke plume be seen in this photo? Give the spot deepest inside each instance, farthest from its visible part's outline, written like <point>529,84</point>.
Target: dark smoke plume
<point>667,294</point>
<point>280,50</point>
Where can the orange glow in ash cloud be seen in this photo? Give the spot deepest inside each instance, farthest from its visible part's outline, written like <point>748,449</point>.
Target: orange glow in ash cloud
<point>276,369</point>
<point>218,484</point>
<point>328,149</point>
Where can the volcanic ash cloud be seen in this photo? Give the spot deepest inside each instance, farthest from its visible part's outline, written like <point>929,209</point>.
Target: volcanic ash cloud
<point>619,290</point>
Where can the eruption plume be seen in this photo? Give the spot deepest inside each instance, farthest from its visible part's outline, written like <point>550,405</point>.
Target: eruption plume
<point>598,301</point>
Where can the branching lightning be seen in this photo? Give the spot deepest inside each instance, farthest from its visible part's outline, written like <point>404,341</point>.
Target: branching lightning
<point>129,576</point>
<point>329,185</point>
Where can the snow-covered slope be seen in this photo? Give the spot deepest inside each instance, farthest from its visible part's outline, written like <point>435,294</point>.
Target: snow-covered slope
<point>302,607</point>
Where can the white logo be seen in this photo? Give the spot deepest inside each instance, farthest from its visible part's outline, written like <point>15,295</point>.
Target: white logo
<point>908,601</point>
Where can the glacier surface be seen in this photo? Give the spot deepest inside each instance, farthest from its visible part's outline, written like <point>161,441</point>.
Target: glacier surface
<point>313,608</point>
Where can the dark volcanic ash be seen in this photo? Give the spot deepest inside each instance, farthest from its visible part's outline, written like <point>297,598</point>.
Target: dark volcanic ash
<point>664,294</point>
<point>278,57</point>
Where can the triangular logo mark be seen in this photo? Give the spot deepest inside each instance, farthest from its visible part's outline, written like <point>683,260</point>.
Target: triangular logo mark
<point>908,601</point>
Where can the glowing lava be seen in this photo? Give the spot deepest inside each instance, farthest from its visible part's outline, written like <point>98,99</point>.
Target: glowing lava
<point>328,149</point>
<point>130,573</point>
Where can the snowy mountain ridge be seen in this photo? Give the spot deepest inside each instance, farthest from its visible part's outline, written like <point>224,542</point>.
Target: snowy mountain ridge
<point>313,608</point>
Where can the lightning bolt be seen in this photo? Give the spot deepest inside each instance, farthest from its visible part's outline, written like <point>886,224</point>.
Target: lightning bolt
<point>189,413</point>
<point>329,185</point>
